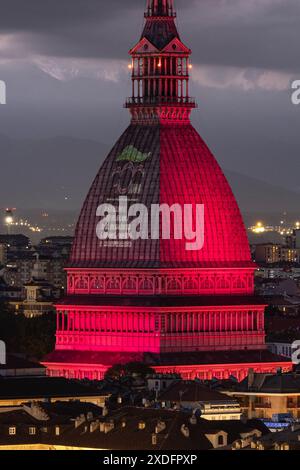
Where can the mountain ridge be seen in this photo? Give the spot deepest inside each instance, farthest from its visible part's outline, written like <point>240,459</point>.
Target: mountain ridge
<point>62,182</point>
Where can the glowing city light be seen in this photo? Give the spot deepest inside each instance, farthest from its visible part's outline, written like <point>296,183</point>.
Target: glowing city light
<point>259,228</point>
<point>8,220</point>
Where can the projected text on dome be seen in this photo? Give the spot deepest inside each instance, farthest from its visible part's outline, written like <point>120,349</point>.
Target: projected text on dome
<point>134,222</point>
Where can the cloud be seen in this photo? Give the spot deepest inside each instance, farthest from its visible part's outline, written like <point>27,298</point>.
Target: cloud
<point>246,79</point>
<point>234,33</point>
<point>219,77</point>
<point>12,47</point>
<point>239,33</point>
<point>68,69</point>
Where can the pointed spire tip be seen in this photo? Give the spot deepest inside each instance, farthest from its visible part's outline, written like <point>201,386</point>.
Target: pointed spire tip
<point>160,8</point>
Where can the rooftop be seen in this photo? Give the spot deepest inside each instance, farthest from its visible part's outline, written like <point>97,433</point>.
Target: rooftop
<point>126,432</point>
<point>161,300</point>
<point>44,387</point>
<point>189,358</point>
<point>271,383</point>
<point>17,362</point>
<point>191,391</point>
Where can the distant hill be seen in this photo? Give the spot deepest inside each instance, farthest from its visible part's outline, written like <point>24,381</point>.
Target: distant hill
<point>254,195</point>
<point>43,173</point>
<point>57,173</point>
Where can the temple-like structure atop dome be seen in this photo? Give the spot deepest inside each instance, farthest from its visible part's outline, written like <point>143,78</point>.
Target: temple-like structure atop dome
<point>192,312</point>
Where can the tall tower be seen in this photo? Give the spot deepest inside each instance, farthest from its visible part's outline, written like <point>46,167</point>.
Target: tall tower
<point>150,298</point>
<point>160,70</point>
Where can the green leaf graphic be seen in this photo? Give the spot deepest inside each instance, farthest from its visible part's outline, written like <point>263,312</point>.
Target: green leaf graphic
<point>131,154</point>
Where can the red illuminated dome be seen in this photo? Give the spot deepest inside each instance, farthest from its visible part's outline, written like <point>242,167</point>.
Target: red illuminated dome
<point>178,169</point>
<point>153,300</point>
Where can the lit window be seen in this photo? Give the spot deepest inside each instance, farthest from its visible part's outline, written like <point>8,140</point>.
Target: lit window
<point>32,431</point>
<point>12,431</point>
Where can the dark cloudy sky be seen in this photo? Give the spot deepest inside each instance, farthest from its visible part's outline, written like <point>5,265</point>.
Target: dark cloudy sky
<point>65,65</point>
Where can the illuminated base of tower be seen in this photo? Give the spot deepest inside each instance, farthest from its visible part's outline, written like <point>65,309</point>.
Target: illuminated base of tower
<point>190,366</point>
<point>195,336</point>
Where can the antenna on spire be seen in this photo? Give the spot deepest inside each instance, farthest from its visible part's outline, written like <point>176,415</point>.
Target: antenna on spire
<point>160,8</point>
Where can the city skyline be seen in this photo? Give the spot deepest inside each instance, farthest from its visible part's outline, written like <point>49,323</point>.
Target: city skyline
<point>164,316</point>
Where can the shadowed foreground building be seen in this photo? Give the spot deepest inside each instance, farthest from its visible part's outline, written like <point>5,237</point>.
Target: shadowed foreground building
<point>152,300</point>
<point>194,396</point>
<point>269,396</point>
<point>80,426</point>
<point>14,391</point>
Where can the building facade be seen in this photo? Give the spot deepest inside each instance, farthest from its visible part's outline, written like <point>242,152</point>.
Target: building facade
<point>269,396</point>
<point>271,253</point>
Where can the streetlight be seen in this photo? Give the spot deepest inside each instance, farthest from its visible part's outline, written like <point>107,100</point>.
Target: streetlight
<point>9,219</point>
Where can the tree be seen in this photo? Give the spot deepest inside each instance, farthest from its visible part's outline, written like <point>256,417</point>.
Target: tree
<point>138,369</point>
<point>115,372</point>
<point>131,369</point>
<point>8,326</point>
<point>34,337</point>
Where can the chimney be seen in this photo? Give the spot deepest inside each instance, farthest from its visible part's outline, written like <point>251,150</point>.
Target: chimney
<point>193,420</point>
<point>94,425</point>
<point>185,430</point>
<point>79,420</point>
<point>36,410</point>
<point>108,427</point>
<point>102,426</point>
<point>161,426</point>
<point>251,377</point>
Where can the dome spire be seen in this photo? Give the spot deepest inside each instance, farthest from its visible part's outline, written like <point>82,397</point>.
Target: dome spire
<point>160,69</point>
<point>160,8</point>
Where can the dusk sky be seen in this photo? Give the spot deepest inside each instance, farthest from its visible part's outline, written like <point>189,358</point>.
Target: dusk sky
<point>65,66</point>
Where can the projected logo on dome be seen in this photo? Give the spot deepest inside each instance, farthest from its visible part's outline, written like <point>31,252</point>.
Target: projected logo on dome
<point>128,179</point>
<point>129,174</point>
<point>132,154</point>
